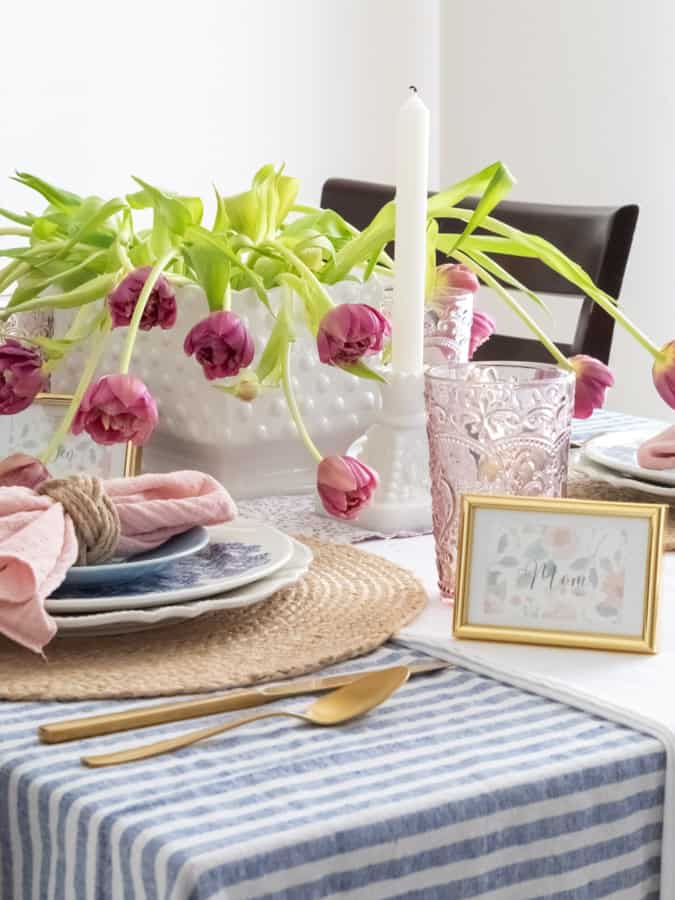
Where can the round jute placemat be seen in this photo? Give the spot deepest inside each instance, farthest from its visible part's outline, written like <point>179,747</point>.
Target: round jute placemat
<point>589,489</point>
<point>348,604</point>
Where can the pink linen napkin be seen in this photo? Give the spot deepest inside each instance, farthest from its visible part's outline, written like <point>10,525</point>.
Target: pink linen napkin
<point>38,543</point>
<point>659,451</point>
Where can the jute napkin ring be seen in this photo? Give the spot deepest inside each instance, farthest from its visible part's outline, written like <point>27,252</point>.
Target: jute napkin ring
<point>96,521</point>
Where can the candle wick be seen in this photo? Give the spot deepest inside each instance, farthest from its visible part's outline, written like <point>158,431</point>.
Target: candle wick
<point>413,88</point>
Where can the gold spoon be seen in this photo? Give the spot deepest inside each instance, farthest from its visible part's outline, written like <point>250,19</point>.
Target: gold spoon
<point>339,706</point>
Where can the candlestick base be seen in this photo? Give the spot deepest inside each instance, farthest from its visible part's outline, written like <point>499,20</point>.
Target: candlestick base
<point>396,447</point>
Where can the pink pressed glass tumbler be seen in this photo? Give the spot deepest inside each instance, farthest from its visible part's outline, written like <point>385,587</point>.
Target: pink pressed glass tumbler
<point>493,428</point>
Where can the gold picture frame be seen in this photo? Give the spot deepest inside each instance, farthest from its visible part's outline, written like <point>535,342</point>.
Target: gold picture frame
<point>507,586</point>
<point>29,430</point>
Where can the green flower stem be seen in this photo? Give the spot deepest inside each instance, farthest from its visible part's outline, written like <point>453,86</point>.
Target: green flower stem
<point>12,272</point>
<point>304,271</point>
<point>143,298</point>
<point>21,232</point>
<point>293,406</point>
<point>525,317</point>
<point>123,257</point>
<point>90,367</point>
<point>605,302</point>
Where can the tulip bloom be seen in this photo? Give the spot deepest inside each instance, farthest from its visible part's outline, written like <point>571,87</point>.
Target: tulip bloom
<point>663,373</point>
<point>116,409</point>
<point>345,485</point>
<point>221,345</point>
<point>22,470</point>
<point>159,310</point>
<point>21,376</point>
<point>482,329</point>
<point>453,277</point>
<point>592,380</point>
<point>349,332</point>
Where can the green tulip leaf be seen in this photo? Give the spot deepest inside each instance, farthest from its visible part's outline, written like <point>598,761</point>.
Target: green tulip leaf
<point>53,195</point>
<point>363,371</point>
<point>212,270</point>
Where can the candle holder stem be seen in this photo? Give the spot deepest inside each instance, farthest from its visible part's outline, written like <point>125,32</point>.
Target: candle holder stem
<point>396,447</point>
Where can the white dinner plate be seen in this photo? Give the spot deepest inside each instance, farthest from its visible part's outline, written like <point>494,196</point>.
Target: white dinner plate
<point>599,473</point>
<point>127,620</point>
<point>618,451</point>
<point>238,553</point>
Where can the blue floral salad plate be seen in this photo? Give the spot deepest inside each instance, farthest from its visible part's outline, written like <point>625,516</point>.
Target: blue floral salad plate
<point>119,571</point>
<point>617,450</point>
<point>238,553</point>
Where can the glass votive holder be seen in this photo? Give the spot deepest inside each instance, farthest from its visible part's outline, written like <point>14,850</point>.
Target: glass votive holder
<point>447,328</point>
<point>493,428</point>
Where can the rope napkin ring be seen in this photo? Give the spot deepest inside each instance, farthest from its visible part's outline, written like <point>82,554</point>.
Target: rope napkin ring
<point>96,520</point>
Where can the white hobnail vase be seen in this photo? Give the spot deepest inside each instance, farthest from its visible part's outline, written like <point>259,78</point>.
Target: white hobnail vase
<point>252,448</point>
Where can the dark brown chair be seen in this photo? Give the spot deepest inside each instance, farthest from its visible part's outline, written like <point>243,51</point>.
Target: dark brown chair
<point>598,238</point>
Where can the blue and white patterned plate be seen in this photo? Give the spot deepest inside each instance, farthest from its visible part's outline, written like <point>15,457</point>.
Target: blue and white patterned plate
<point>239,553</point>
<point>618,451</point>
<point>121,571</point>
<point>122,621</point>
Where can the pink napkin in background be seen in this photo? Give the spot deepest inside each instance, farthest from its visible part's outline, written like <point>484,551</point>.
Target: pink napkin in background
<point>659,451</point>
<point>38,543</point>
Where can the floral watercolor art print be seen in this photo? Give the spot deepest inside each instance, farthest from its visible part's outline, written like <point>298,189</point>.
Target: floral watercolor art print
<point>30,431</point>
<point>558,572</point>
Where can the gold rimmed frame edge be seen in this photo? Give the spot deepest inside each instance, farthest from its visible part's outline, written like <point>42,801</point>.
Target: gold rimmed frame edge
<point>133,456</point>
<point>645,642</point>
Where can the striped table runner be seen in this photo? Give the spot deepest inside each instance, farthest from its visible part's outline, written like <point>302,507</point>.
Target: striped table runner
<point>458,787</point>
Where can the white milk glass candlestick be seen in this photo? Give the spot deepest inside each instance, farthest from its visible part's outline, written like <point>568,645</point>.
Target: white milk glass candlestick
<point>396,445</point>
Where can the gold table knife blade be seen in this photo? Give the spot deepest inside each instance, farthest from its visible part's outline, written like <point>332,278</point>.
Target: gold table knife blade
<point>145,716</point>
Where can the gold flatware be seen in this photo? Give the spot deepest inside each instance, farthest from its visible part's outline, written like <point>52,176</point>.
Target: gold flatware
<point>162,713</point>
<point>342,705</point>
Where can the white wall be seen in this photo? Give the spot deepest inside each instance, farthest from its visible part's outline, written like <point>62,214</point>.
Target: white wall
<point>184,94</point>
<point>576,96</point>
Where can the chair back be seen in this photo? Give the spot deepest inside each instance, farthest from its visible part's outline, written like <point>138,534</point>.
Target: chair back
<point>598,238</point>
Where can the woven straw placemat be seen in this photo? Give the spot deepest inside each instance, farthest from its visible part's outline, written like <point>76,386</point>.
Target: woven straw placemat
<point>348,604</point>
<point>587,489</point>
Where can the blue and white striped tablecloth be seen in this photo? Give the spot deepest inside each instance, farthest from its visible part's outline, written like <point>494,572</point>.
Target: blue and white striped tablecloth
<point>458,787</point>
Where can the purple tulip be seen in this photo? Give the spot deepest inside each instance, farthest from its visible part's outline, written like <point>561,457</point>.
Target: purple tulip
<point>453,277</point>
<point>482,329</point>
<point>592,380</point>
<point>221,345</point>
<point>349,332</point>
<point>159,310</point>
<point>21,376</point>
<point>116,409</point>
<point>663,373</point>
<point>345,485</point>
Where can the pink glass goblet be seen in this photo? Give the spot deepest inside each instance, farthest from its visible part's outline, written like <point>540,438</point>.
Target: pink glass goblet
<point>493,428</point>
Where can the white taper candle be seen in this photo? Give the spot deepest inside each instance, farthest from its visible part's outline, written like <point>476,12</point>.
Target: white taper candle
<point>412,174</point>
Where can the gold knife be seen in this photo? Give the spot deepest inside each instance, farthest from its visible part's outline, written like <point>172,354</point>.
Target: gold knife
<point>145,716</point>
